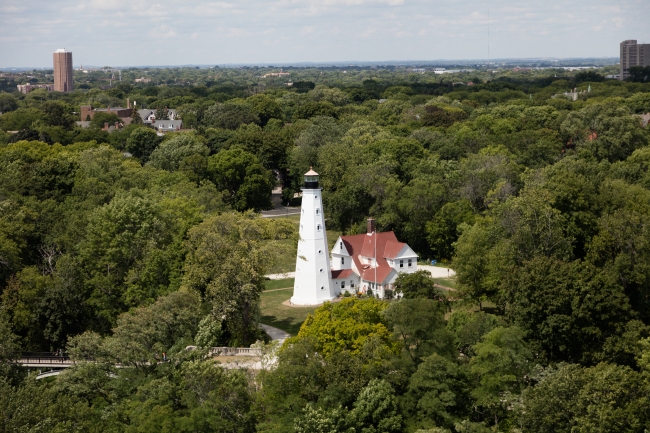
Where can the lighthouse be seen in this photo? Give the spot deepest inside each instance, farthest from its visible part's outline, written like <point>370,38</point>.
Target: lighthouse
<point>313,283</point>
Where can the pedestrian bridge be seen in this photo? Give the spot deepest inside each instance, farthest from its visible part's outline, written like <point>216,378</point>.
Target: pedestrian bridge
<point>54,364</point>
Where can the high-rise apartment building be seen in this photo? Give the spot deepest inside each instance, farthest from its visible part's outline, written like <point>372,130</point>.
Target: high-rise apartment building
<point>633,54</point>
<point>63,71</point>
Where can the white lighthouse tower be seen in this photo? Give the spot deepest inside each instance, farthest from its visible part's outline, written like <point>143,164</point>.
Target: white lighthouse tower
<point>313,284</point>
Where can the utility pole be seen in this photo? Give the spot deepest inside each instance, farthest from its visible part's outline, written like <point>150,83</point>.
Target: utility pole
<point>375,236</point>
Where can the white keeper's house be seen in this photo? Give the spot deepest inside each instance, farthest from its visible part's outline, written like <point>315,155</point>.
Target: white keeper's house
<point>370,261</point>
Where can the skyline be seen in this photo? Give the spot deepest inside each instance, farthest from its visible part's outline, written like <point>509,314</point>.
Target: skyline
<point>138,33</point>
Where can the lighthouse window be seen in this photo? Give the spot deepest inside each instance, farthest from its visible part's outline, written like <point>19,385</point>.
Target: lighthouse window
<point>317,211</point>
<point>318,227</point>
<point>320,251</point>
<point>316,197</point>
<point>322,287</point>
<point>321,270</point>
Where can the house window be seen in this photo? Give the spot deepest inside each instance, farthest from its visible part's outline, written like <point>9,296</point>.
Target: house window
<point>342,260</point>
<point>341,245</point>
<point>343,284</point>
<point>352,284</point>
<point>410,262</point>
<point>401,263</point>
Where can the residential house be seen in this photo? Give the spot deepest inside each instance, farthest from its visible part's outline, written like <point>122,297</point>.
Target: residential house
<point>370,261</point>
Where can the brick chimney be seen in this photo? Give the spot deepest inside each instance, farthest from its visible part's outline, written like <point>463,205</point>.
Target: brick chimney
<point>371,225</point>
<point>105,126</point>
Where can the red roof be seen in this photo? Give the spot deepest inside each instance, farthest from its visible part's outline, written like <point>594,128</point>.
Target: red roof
<point>368,249</point>
<point>364,245</point>
<point>393,249</point>
<point>343,273</point>
<point>382,272</point>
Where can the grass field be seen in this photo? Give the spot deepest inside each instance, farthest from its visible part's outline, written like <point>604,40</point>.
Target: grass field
<point>447,282</point>
<point>278,284</point>
<point>281,316</point>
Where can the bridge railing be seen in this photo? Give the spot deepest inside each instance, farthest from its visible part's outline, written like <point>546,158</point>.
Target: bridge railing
<point>234,351</point>
<point>42,358</point>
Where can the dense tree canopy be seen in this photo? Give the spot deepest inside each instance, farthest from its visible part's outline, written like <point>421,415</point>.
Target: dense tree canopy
<point>137,251</point>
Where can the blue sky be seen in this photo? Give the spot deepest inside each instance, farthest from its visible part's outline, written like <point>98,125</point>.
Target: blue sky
<point>164,32</point>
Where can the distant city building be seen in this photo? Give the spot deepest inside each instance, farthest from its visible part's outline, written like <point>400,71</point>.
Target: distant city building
<point>276,74</point>
<point>63,71</point>
<point>26,88</point>
<point>143,80</point>
<point>633,54</point>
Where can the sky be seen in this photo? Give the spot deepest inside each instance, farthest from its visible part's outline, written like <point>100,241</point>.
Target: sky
<point>202,32</point>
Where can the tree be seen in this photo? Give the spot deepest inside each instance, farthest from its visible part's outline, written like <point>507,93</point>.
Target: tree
<point>229,116</point>
<point>170,153</point>
<point>21,118</point>
<point>419,324</point>
<point>580,307</point>
<point>501,362</point>
<point>418,284</point>
<point>142,142</point>
<point>376,409</point>
<point>240,175</point>
<point>438,392</point>
<point>606,398</point>
<point>101,119</point>
<point>265,108</point>
<point>7,103</point>
<point>442,232</point>
<point>348,325</point>
<point>639,74</point>
<point>227,257</point>
<point>119,235</point>
<point>136,119</point>
<point>58,114</point>
<point>162,113</point>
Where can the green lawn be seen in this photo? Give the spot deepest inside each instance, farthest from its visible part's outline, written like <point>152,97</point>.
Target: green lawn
<point>278,284</point>
<point>447,282</point>
<point>281,316</point>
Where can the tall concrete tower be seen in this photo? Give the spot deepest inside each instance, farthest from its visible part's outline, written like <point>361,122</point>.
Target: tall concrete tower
<point>313,284</point>
<point>63,71</point>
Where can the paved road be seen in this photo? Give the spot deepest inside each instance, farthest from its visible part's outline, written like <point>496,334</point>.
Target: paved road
<point>437,272</point>
<point>281,276</point>
<point>275,333</point>
<point>281,211</point>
